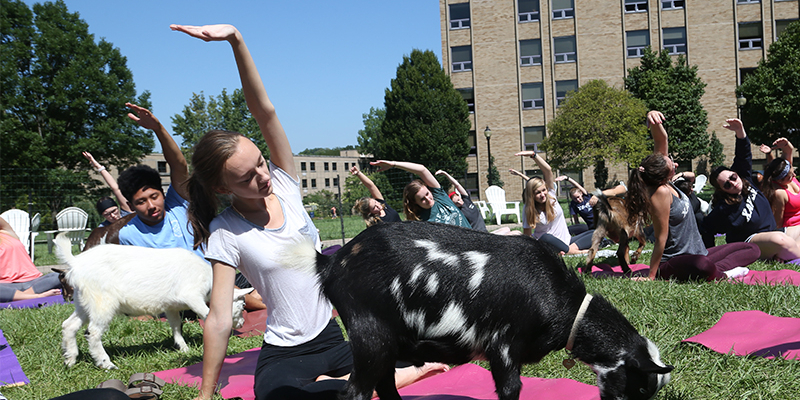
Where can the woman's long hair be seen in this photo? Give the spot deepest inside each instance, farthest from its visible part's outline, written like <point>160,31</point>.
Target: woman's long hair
<point>410,206</point>
<point>531,211</point>
<point>722,197</point>
<point>208,164</point>
<point>651,173</point>
<point>771,173</point>
<point>362,207</point>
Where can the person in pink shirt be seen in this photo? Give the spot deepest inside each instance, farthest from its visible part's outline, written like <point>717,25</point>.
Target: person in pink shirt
<point>19,278</point>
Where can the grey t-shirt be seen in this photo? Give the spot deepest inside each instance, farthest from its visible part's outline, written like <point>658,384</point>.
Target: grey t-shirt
<point>683,237</point>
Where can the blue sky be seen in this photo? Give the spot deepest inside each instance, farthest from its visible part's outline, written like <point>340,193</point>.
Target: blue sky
<point>324,63</point>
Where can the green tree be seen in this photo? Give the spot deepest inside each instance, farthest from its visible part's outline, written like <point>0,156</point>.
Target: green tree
<point>493,176</point>
<point>675,90</point>
<point>369,136</point>
<point>62,93</point>
<point>427,120</point>
<point>773,91</point>
<point>596,123</point>
<point>225,112</point>
<point>324,199</point>
<point>325,151</point>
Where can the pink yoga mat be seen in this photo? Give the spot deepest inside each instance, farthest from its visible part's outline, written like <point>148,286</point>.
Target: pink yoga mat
<point>606,270</point>
<point>780,277</point>
<point>756,333</point>
<point>468,381</point>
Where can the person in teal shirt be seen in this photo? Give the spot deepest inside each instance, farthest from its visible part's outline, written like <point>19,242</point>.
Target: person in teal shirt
<point>424,199</point>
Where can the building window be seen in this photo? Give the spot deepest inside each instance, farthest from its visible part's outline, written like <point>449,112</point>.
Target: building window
<point>528,10</point>
<point>636,42</point>
<point>563,9</point>
<point>635,6</point>
<point>780,26</point>
<point>675,40</point>
<point>530,52</point>
<point>743,72</point>
<point>327,182</point>
<point>750,35</point>
<point>533,137</point>
<point>313,183</point>
<point>305,183</point>
<point>471,184</point>
<point>672,4</point>
<point>302,166</point>
<point>346,168</point>
<point>462,58</point>
<point>459,16</point>
<point>162,167</point>
<point>335,182</point>
<point>564,87</point>
<point>748,1</point>
<point>313,166</point>
<point>564,49</point>
<point>326,166</point>
<point>333,166</point>
<point>469,96</point>
<point>532,96</point>
<point>473,148</point>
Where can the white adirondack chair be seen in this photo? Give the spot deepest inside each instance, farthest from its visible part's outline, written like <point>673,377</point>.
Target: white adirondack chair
<point>73,220</point>
<point>21,224</point>
<point>699,183</point>
<point>485,211</point>
<point>496,197</point>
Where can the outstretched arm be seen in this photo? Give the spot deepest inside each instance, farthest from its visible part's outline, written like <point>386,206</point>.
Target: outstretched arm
<point>547,172</point>
<point>457,186</point>
<point>374,192</point>
<point>255,95</point>
<point>519,174</point>
<point>787,150</point>
<point>417,169</point>
<point>573,182</point>
<point>178,168</point>
<point>767,152</point>
<point>655,120</point>
<point>110,181</point>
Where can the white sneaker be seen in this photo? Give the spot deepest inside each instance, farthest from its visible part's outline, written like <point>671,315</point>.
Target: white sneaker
<point>737,272</point>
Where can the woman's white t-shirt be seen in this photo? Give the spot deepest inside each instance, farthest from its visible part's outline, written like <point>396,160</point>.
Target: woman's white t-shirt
<point>298,311</point>
<point>557,227</point>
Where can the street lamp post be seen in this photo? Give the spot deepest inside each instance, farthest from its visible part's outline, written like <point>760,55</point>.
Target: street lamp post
<point>488,133</point>
<point>740,102</point>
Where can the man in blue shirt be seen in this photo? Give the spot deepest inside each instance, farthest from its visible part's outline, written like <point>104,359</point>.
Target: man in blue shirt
<point>161,220</point>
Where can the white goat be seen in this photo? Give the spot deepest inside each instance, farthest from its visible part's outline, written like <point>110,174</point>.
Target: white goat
<point>111,279</point>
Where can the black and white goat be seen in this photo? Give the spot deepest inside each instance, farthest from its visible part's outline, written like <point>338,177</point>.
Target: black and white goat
<point>417,292</point>
<point>111,279</point>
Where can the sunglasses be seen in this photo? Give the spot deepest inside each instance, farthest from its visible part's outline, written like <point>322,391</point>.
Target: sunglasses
<point>731,180</point>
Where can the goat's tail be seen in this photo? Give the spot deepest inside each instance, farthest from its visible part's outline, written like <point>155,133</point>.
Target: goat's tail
<point>302,256</point>
<point>64,248</point>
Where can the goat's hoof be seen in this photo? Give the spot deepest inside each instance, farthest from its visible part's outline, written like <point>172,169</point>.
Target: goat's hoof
<point>70,363</point>
<point>106,365</point>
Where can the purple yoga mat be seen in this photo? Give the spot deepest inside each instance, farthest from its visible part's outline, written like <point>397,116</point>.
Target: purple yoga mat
<point>34,303</point>
<point>468,381</point>
<point>10,371</point>
<point>755,333</point>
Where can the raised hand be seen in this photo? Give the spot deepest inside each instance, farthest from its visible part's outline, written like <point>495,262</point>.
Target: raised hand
<point>207,33</point>
<point>143,117</point>
<point>354,170</point>
<point>655,117</point>
<point>382,165</point>
<point>734,124</point>
<point>91,159</point>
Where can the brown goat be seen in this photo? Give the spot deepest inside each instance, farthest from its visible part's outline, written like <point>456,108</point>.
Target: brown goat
<point>108,233</point>
<point>611,220</point>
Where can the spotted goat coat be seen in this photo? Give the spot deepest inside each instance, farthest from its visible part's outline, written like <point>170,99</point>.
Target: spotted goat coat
<point>420,291</point>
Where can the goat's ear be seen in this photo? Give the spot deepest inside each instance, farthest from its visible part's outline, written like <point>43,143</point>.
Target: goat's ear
<point>238,294</point>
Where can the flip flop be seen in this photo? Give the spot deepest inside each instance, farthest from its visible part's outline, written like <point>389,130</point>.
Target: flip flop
<point>113,384</point>
<point>144,392</point>
<point>141,379</point>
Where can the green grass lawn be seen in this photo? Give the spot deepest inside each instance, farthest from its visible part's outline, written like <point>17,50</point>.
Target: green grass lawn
<point>665,312</point>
